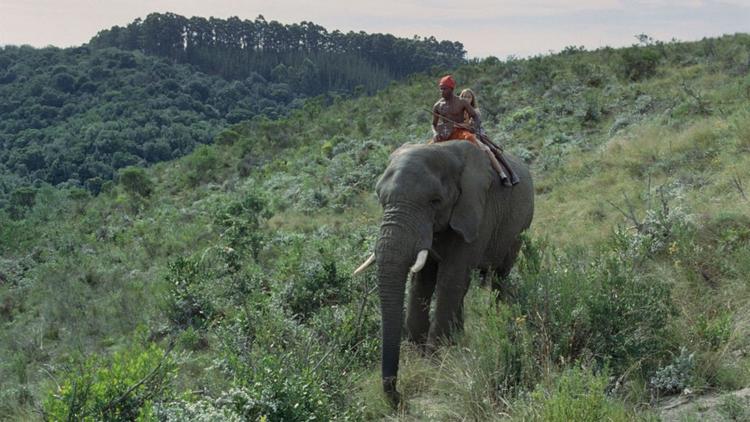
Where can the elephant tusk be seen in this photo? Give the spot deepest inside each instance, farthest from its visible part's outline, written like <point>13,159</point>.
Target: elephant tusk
<point>421,260</point>
<point>364,265</point>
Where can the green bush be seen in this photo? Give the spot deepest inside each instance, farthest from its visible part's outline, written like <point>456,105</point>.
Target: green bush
<point>121,388</point>
<point>21,200</point>
<point>675,377</point>
<point>293,398</point>
<point>502,353</point>
<point>577,395</point>
<point>639,63</point>
<point>735,408</point>
<point>628,315</point>
<point>135,181</point>
<point>320,285</point>
<point>283,391</point>
<point>241,223</point>
<point>711,333</point>
<point>187,304</point>
<point>204,410</point>
<point>201,165</point>
<point>656,232</point>
<point>227,137</point>
<point>94,184</point>
<point>353,330</point>
<point>591,305</point>
<point>539,72</point>
<point>280,371</point>
<point>589,74</point>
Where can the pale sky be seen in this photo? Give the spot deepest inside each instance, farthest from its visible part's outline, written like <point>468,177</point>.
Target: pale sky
<point>485,27</point>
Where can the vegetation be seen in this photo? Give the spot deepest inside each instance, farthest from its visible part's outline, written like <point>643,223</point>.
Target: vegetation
<point>305,55</point>
<point>229,281</point>
<point>158,88</point>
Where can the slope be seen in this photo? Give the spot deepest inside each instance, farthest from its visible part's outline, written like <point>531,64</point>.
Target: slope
<point>233,262</point>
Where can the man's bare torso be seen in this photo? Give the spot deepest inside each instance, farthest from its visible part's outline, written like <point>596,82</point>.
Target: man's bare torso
<point>446,112</point>
<point>452,109</point>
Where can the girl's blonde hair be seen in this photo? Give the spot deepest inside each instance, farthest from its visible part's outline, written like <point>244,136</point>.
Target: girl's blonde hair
<point>466,93</point>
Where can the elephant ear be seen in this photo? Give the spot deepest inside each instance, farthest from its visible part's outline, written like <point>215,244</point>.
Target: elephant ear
<point>474,183</point>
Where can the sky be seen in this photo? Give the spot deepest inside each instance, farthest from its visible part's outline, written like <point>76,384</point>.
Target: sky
<point>498,28</point>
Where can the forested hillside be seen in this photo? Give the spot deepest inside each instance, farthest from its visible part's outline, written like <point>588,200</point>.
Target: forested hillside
<point>156,89</point>
<point>78,115</point>
<point>218,286</point>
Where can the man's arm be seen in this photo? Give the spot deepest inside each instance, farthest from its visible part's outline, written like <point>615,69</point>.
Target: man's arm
<point>435,120</point>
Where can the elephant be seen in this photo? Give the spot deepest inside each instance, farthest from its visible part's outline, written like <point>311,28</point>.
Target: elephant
<point>445,210</point>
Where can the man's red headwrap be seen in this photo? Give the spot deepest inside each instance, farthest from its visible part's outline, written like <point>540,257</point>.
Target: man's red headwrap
<point>447,81</point>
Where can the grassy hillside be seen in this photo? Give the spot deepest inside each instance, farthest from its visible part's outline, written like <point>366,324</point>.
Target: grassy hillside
<point>218,285</point>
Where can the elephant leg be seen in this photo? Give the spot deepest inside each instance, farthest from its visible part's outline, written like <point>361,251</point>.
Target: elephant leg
<point>499,282</point>
<point>451,289</point>
<point>485,277</point>
<point>420,298</point>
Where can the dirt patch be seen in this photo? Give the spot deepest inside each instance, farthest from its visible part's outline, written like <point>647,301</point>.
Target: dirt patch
<point>734,406</point>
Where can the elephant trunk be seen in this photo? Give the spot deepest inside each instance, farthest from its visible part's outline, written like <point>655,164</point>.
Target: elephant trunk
<point>396,250</point>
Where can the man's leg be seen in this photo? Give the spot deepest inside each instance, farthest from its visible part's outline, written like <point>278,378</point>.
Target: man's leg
<point>513,176</point>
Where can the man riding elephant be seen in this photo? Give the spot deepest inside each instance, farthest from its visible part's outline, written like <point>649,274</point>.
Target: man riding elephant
<point>448,111</point>
<point>448,123</point>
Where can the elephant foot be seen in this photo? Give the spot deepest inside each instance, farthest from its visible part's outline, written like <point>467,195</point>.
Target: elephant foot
<point>426,350</point>
<point>429,349</point>
<point>389,388</point>
<point>417,338</point>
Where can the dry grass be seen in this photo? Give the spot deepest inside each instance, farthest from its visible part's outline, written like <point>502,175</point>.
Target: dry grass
<point>582,211</point>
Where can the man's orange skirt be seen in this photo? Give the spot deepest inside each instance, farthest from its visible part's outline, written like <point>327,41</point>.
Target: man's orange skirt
<point>464,134</point>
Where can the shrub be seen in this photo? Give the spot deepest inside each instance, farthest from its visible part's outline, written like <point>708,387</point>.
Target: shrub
<point>589,74</point>
<point>21,200</point>
<point>281,372</point>
<point>591,112</point>
<point>204,410</point>
<point>120,388</point>
<point>675,377</point>
<point>227,137</point>
<point>577,395</point>
<point>136,181</point>
<point>353,331</point>
<point>639,63</point>
<point>628,314</point>
<point>201,165</point>
<point>735,408</point>
<point>600,305</point>
<point>501,358</point>
<point>713,333</point>
<point>187,304</point>
<point>539,72</point>
<point>292,399</point>
<point>94,184</point>
<point>320,285</point>
<point>658,229</point>
<point>241,223</point>
<point>283,391</point>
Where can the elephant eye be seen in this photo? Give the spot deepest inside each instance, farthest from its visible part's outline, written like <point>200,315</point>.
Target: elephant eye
<point>435,202</point>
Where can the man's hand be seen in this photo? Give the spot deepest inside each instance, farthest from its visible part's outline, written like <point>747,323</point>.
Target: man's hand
<point>465,126</point>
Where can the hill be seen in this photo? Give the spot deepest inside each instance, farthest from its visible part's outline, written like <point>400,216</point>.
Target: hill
<point>78,115</point>
<point>217,285</point>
